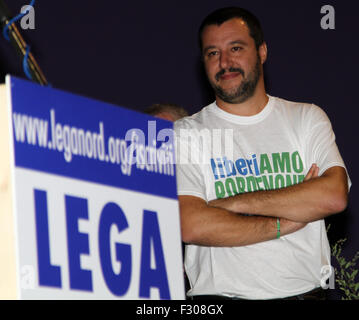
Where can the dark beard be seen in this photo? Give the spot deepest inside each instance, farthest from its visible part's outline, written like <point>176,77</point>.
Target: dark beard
<point>246,88</point>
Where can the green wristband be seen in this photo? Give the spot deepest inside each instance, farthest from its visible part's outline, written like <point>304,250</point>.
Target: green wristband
<point>278,228</point>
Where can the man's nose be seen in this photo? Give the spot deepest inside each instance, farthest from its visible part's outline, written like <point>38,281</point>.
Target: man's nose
<point>224,61</point>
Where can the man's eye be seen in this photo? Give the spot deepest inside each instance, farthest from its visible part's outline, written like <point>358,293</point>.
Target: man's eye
<point>236,49</point>
<point>212,53</point>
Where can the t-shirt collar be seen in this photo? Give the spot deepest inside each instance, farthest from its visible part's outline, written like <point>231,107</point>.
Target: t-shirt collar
<point>243,119</point>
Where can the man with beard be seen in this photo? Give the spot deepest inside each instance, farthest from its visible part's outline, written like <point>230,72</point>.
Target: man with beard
<point>256,177</point>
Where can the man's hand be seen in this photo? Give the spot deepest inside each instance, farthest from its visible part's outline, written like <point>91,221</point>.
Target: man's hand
<point>312,173</point>
<point>292,226</point>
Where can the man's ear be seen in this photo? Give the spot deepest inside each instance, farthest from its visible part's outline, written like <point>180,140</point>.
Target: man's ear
<point>263,51</point>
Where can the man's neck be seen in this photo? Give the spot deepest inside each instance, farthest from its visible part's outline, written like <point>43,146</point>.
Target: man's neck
<point>250,107</point>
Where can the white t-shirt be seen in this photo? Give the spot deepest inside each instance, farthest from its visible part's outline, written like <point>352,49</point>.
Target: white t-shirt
<point>219,155</point>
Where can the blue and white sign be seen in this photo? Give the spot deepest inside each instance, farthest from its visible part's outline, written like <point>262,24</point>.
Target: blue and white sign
<point>95,199</point>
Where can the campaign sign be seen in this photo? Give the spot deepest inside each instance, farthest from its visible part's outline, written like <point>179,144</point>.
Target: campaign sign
<point>96,211</point>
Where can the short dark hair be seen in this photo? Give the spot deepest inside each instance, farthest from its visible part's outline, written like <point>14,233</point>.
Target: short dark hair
<point>177,111</point>
<point>224,14</point>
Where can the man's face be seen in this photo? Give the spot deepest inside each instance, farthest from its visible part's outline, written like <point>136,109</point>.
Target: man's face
<point>232,62</point>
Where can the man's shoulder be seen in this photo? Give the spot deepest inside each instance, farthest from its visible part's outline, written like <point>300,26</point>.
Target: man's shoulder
<point>292,104</point>
<point>303,108</point>
<point>197,120</point>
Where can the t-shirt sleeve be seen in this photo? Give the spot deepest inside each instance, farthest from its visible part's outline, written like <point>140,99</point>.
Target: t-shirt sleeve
<point>321,147</point>
<point>190,178</point>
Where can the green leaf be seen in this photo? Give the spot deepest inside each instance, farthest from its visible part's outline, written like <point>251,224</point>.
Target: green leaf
<point>353,275</point>
<point>328,227</point>
<point>346,273</point>
<point>341,261</point>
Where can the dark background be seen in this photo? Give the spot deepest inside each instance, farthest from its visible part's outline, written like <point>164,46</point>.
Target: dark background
<point>136,53</point>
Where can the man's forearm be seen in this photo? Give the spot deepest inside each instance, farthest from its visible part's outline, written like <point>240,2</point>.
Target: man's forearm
<point>305,202</point>
<point>208,226</point>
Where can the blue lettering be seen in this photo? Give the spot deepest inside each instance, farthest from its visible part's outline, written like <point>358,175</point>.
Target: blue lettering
<point>118,284</point>
<point>229,166</point>
<point>249,162</point>
<point>255,165</point>
<point>220,167</point>
<point>152,277</point>
<point>49,275</point>
<point>214,168</point>
<point>77,242</point>
<point>242,166</point>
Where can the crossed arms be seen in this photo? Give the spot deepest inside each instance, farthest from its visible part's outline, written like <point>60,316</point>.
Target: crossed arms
<point>222,223</point>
